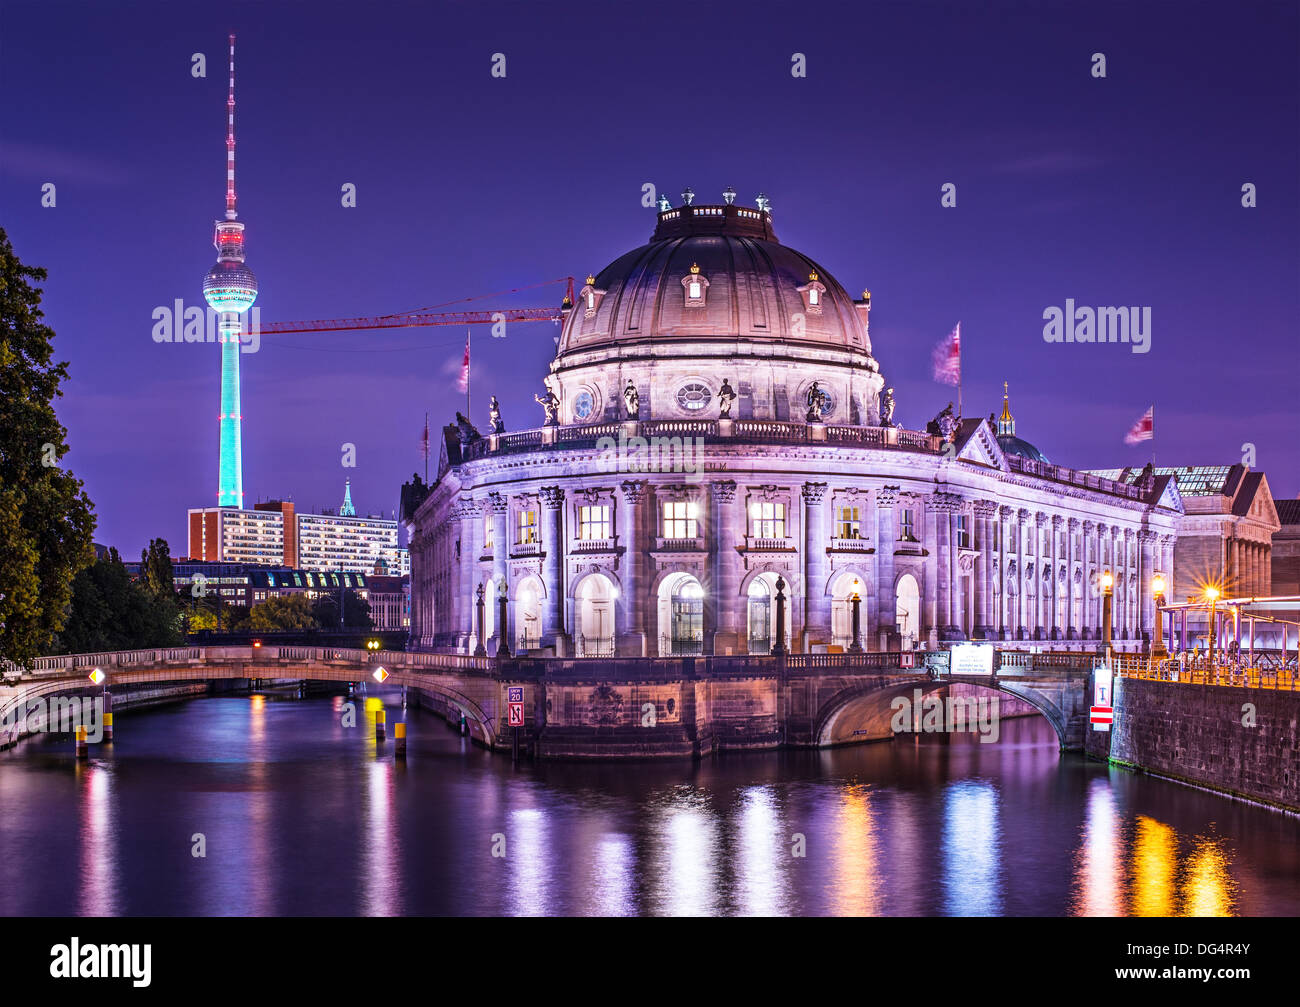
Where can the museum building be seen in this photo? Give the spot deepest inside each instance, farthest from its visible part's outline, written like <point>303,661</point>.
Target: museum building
<point>717,452</point>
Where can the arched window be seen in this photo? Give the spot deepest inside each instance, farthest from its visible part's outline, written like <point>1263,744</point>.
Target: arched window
<point>908,609</point>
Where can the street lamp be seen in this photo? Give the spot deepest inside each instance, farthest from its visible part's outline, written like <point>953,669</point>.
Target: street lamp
<point>480,649</point>
<point>1107,597</point>
<point>503,648</point>
<point>856,646</point>
<point>1212,595</point>
<point>1158,637</point>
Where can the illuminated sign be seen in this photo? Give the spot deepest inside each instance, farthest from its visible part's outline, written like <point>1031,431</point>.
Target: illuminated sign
<point>971,659</point>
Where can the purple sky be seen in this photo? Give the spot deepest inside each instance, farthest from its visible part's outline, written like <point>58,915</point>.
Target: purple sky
<point>1122,191</point>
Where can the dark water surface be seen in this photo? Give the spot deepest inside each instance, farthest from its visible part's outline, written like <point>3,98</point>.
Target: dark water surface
<point>302,816</point>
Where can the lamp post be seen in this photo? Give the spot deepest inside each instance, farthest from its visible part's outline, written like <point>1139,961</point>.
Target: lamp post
<point>1212,595</point>
<point>480,648</point>
<point>856,646</point>
<point>1107,597</point>
<point>778,648</point>
<point>503,648</point>
<point>1158,637</point>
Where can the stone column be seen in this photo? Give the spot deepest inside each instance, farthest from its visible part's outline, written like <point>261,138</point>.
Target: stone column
<point>939,516</point>
<point>632,602</point>
<point>935,589</point>
<point>1091,556</point>
<point>1071,553</point>
<point>886,543</point>
<point>1050,621</point>
<point>1023,630</point>
<point>816,609</point>
<point>1146,566</point>
<point>1130,603</point>
<point>552,498</point>
<point>1006,620</point>
<point>725,568</point>
<point>470,527</point>
<point>496,508</point>
<point>984,622</point>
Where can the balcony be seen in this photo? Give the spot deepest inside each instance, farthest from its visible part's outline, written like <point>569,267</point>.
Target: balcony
<point>851,545</point>
<point>756,544</point>
<point>679,544</point>
<point>526,549</point>
<point>589,545</point>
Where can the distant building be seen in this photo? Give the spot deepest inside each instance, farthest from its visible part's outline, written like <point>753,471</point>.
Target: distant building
<point>390,601</point>
<point>273,534</point>
<point>1285,566</point>
<point>248,584</point>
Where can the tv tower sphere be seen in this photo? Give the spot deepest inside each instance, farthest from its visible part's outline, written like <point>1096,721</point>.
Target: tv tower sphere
<point>229,286</point>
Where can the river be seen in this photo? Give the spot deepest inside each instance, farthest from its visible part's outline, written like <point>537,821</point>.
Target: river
<point>299,815</point>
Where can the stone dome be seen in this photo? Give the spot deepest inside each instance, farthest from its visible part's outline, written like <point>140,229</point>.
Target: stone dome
<point>712,301</point>
<point>748,287</point>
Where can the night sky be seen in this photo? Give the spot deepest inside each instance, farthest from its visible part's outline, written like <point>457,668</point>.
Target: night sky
<point>1122,191</point>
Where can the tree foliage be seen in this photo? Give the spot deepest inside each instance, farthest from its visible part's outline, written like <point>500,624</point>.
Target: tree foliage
<point>46,520</point>
<point>281,612</point>
<point>110,611</point>
<point>356,611</point>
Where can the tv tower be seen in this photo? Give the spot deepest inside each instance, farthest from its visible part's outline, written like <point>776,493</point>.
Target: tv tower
<point>230,289</point>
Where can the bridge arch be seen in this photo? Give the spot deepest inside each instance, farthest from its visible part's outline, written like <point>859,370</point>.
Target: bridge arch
<point>863,712</point>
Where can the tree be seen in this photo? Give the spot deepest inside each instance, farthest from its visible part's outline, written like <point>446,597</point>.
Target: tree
<point>156,568</point>
<point>110,611</point>
<point>281,612</point>
<point>356,611</point>
<point>46,520</point>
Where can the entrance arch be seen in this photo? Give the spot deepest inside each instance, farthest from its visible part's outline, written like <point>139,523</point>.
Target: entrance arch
<point>760,612</point>
<point>907,610</point>
<point>594,616</point>
<point>843,588</point>
<point>681,615</point>
<point>528,613</point>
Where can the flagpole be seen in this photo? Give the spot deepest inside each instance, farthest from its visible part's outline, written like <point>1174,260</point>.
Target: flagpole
<point>468,414</point>
<point>960,414</point>
<point>426,446</point>
<point>1153,438</point>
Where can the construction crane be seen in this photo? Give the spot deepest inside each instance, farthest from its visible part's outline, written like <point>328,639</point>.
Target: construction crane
<point>413,319</point>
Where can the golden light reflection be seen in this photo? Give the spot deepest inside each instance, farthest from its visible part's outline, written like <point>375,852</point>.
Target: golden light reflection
<point>1208,888</point>
<point>530,860</point>
<point>1155,862</point>
<point>857,885</point>
<point>381,877</point>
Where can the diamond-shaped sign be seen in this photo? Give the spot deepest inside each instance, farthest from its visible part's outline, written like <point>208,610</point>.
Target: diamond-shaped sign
<point>379,675</point>
<point>96,676</point>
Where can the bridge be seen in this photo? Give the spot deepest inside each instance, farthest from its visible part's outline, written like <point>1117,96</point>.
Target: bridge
<point>597,707</point>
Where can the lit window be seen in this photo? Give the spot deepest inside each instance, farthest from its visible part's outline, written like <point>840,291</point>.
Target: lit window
<point>813,296</point>
<point>962,534</point>
<point>766,519</point>
<point>680,519</point>
<point>694,396</point>
<point>696,285</point>
<point>487,531</point>
<point>591,299</point>
<point>846,523</point>
<point>696,291</point>
<point>907,529</point>
<point>527,527</point>
<point>593,521</point>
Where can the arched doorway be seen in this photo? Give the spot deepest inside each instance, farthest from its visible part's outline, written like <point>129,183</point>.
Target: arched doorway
<point>595,616</point>
<point>846,586</point>
<point>907,610</point>
<point>681,615</point>
<point>528,615</point>
<point>759,617</point>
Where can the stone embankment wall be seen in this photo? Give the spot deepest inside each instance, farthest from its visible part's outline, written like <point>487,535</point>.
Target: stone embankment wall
<point>1236,740</point>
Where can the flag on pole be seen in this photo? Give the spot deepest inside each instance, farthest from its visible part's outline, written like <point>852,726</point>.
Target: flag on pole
<point>463,383</point>
<point>947,359</point>
<point>424,439</point>
<point>1144,429</point>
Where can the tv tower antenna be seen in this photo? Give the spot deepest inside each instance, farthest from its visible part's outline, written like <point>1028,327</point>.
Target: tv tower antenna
<point>230,289</point>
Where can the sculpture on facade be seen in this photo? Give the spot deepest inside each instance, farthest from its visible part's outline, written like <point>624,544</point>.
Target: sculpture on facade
<point>726,396</point>
<point>944,425</point>
<point>465,430</point>
<point>495,423</point>
<point>632,401</point>
<point>550,403</point>
<point>887,407</point>
<point>818,401</point>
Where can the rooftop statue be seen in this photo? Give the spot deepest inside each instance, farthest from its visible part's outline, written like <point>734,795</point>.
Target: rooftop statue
<point>818,401</point>
<point>887,407</point>
<point>726,396</point>
<point>632,400</point>
<point>495,424</point>
<point>550,403</point>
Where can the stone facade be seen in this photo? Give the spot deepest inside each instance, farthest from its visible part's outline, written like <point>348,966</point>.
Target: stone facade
<point>718,456</point>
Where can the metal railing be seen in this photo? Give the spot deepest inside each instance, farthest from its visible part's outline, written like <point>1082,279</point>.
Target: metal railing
<point>671,647</point>
<point>595,646</point>
<point>1171,670</point>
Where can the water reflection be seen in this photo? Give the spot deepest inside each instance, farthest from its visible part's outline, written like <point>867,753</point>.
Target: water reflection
<point>98,889</point>
<point>972,852</point>
<point>305,819</point>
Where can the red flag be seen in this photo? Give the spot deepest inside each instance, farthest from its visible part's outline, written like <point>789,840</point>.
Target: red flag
<point>1144,429</point>
<point>947,359</point>
<point>463,383</point>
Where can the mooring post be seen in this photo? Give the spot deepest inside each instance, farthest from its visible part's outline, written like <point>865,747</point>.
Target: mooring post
<point>399,740</point>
